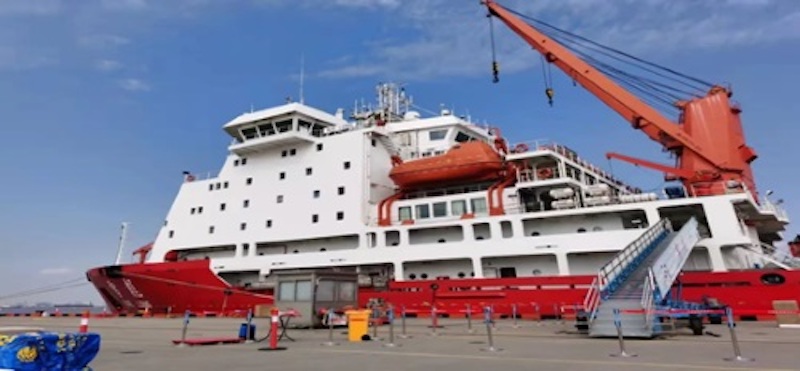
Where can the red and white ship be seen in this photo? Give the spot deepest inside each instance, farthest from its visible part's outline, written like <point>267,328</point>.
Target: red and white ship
<point>408,201</point>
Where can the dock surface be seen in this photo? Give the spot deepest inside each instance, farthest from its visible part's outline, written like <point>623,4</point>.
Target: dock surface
<point>147,344</point>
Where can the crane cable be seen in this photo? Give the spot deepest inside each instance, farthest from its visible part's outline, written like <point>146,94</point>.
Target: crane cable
<point>495,65</point>
<point>548,80</point>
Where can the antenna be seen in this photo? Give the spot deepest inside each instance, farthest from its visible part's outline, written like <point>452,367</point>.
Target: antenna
<point>122,236</point>
<point>302,75</point>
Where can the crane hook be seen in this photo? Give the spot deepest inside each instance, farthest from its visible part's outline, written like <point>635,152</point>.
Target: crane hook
<point>549,92</point>
<point>495,72</point>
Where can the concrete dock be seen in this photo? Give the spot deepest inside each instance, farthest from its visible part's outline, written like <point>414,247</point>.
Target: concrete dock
<point>146,344</point>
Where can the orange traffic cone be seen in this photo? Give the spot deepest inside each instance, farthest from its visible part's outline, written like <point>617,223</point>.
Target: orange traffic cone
<point>84,328</point>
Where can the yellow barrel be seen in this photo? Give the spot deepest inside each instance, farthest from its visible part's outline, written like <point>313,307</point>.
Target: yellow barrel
<point>357,323</point>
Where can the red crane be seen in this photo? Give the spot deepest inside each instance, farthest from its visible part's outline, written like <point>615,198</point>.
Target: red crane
<point>708,141</point>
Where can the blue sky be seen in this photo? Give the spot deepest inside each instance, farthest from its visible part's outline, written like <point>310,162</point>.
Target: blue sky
<point>104,102</point>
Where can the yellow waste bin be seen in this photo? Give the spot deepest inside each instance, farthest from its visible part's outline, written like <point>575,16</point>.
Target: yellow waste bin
<point>357,323</point>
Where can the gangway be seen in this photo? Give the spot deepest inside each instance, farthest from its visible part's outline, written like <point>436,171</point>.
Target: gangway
<point>638,279</point>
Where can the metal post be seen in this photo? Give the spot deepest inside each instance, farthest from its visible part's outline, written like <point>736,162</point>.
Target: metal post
<point>618,325</point>
<point>329,316</point>
<point>249,326</point>
<point>538,313</point>
<point>434,320</point>
<point>403,335</point>
<point>491,310</point>
<point>514,314</point>
<point>185,328</point>
<point>391,343</point>
<point>737,353</point>
<point>469,319</point>
<point>487,318</point>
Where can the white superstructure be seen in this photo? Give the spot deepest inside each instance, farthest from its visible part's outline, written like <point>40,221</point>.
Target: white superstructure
<point>300,188</point>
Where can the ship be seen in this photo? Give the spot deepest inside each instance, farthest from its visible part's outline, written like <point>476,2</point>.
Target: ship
<point>441,211</point>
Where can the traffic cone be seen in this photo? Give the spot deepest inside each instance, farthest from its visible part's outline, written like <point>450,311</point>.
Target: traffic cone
<point>84,328</point>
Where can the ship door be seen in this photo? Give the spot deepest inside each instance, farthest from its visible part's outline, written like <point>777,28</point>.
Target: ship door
<point>508,272</point>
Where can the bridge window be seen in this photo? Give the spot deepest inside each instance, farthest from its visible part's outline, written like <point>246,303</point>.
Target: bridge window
<point>437,134</point>
<point>478,205</point>
<point>439,209</point>
<point>423,211</point>
<point>405,213</point>
<point>458,207</point>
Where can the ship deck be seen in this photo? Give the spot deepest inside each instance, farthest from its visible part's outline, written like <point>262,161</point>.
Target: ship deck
<point>146,344</point>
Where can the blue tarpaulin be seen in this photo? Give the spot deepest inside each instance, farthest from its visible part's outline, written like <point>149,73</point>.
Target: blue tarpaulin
<point>37,351</point>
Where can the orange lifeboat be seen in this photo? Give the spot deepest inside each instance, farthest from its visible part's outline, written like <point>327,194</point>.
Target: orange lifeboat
<point>465,162</point>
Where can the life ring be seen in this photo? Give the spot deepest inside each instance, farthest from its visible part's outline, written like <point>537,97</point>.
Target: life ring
<point>545,173</point>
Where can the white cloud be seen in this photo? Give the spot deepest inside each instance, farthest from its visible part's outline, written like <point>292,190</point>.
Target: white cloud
<point>29,7</point>
<point>55,271</point>
<point>103,41</point>
<point>107,65</point>
<point>132,84</point>
<point>451,40</point>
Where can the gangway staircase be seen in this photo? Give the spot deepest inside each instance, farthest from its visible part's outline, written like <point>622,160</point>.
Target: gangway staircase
<point>637,279</point>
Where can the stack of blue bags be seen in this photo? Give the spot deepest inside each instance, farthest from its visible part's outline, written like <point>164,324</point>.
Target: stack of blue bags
<point>36,351</point>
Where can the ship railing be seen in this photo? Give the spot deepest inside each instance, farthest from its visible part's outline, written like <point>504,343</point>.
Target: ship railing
<point>548,145</point>
<point>592,300</point>
<point>200,176</point>
<point>767,206</point>
<point>632,253</point>
<point>647,297</point>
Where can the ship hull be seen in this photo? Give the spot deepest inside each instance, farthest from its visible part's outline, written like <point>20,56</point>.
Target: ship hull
<point>175,287</point>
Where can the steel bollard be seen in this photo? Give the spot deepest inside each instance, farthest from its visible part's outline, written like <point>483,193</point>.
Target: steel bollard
<point>487,318</point>
<point>469,319</point>
<point>737,353</point>
<point>538,313</point>
<point>618,325</point>
<point>375,316</point>
<point>249,327</point>
<point>514,314</point>
<point>391,343</point>
<point>185,328</point>
<point>434,321</point>
<point>403,335</point>
<point>330,342</point>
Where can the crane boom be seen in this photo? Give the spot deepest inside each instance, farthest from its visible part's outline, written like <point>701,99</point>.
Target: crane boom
<point>709,144</point>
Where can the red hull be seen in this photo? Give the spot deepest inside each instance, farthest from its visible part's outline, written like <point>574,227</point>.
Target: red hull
<point>191,285</point>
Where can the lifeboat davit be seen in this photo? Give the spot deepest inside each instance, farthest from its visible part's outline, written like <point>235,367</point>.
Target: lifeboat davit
<point>469,161</point>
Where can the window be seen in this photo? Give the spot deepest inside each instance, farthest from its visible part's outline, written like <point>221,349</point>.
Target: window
<point>235,162</point>
<point>211,230</point>
<point>280,199</point>
<point>461,137</point>
<point>211,187</point>
<point>346,165</point>
<point>309,171</point>
<point>439,209</point>
<point>249,181</point>
<point>405,213</point>
<point>200,210</point>
<point>340,215</point>
<point>171,234</point>
<point>243,226</point>
<point>246,203</point>
<point>314,218</point>
<point>292,152</point>
<point>316,193</point>
<point>286,291</point>
<point>458,207</point>
<point>341,191</point>
<point>347,291</point>
<point>282,175</point>
<point>225,185</point>
<point>284,153</point>
<point>423,211</point>
<point>221,207</point>
<point>244,161</point>
<point>478,205</point>
<point>437,134</point>
<point>303,292</point>
<point>192,211</point>
<point>325,291</point>
<point>319,147</point>
<point>216,186</point>
<point>374,143</point>
<point>269,223</point>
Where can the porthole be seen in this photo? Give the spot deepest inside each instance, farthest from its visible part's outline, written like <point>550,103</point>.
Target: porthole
<point>479,238</point>
<point>534,234</point>
<point>442,240</point>
<point>597,229</point>
<point>461,275</point>
<point>412,276</point>
<point>537,272</point>
<point>581,230</point>
<point>423,276</point>
<point>773,279</point>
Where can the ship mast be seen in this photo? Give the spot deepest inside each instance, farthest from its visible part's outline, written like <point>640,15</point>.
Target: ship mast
<point>122,236</point>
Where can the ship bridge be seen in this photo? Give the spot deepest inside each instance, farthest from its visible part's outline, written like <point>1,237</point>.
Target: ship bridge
<point>290,124</point>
